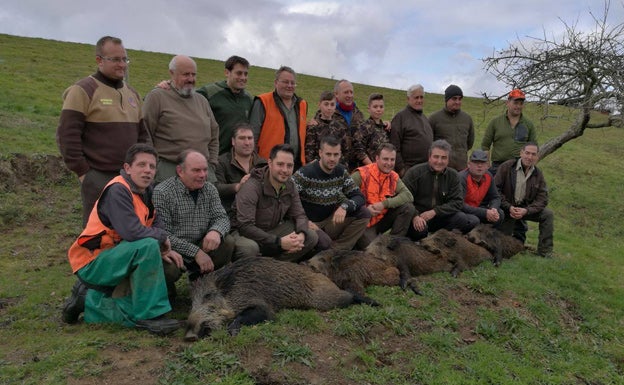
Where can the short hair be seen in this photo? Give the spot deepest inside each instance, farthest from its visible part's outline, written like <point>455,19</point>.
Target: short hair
<point>413,88</point>
<point>329,140</point>
<point>139,148</point>
<point>374,96</point>
<point>181,158</point>
<point>339,82</point>
<point>103,40</point>
<point>234,60</point>
<point>284,69</point>
<point>527,144</point>
<point>172,63</point>
<point>240,126</point>
<point>385,146</point>
<point>327,95</point>
<point>441,144</point>
<point>285,147</point>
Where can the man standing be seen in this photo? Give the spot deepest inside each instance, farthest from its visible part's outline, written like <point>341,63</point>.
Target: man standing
<point>280,117</point>
<point>178,118</point>
<point>229,100</point>
<point>411,132</point>
<point>348,116</point>
<point>524,196</point>
<point>267,209</point>
<point>388,200</point>
<point>455,126</point>
<point>330,198</point>
<point>197,224</point>
<point>507,133</point>
<point>438,196</point>
<point>372,134</point>
<point>100,120</point>
<point>481,197</point>
<point>124,240</point>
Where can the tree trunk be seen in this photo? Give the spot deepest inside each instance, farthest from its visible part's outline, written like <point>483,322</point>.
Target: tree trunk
<point>576,130</point>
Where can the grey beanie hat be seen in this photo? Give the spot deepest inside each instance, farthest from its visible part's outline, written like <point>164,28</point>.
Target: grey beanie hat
<point>451,91</point>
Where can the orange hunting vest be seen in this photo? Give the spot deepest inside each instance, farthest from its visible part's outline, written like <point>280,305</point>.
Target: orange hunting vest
<point>377,187</point>
<point>97,237</point>
<point>476,192</point>
<point>274,126</point>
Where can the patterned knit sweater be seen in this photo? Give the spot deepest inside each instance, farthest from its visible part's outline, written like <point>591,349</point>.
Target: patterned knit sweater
<point>321,193</point>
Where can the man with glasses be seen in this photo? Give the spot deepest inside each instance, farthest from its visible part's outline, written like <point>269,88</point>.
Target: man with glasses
<point>100,120</point>
<point>178,119</point>
<point>280,117</point>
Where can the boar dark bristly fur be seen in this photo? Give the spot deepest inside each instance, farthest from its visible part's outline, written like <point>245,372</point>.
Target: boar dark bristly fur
<point>252,290</point>
<point>496,242</point>
<point>354,270</point>
<point>457,249</point>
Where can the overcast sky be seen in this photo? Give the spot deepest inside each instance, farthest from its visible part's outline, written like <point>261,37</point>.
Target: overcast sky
<point>384,42</point>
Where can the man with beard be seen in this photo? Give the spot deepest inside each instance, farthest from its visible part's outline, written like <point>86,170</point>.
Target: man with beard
<point>411,132</point>
<point>178,118</point>
<point>267,209</point>
<point>229,100</point>
<point>455,126</point>
<point>331,199</point>
<point>438,195</point>
<point>100,120</point>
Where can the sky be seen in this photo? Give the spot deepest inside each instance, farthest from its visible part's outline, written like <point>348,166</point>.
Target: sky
<point>386,43</point>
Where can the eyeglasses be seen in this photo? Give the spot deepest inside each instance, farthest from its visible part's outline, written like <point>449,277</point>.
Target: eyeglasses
<point>116,60</point>
<point>288,83</point>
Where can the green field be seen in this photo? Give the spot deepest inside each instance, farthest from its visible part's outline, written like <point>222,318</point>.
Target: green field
<point>530,321</point>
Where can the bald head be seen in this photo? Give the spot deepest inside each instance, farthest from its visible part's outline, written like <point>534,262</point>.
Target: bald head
<point>183,71</point>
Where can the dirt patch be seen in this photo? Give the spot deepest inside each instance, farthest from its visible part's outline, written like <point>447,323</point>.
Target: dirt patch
<point>18,170</point>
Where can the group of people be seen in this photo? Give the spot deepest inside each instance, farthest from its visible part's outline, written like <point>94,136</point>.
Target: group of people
<point>190,179</point>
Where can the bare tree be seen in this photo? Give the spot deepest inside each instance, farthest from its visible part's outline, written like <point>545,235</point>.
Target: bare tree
<point>580,69</point>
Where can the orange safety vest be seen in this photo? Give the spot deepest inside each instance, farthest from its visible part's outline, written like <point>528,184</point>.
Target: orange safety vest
<point>274,126</point>
<point>377,187</point>
<point>476,192</point>
<point>97,237</point>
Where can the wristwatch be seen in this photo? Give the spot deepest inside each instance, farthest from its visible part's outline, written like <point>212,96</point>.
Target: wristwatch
<point>344,205</point>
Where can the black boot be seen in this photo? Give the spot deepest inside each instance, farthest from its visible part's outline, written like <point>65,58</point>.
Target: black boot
<point>75,304</point>
<point>160,326</point>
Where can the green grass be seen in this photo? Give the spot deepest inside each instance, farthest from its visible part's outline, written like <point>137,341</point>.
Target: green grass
<point>530,321</point>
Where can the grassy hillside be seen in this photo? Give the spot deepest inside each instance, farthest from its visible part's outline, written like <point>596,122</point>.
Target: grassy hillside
<point>530,321</point>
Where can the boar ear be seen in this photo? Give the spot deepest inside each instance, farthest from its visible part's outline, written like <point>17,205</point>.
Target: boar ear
<point>394,243</point>
<point>450,242</point>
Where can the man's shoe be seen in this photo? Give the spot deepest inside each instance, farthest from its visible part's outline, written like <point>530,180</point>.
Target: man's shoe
<point>75,304</point>
<point>159,326</point>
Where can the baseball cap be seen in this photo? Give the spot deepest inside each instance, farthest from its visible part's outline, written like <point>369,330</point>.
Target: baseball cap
<point>479,156</point>
<point>516,94</point>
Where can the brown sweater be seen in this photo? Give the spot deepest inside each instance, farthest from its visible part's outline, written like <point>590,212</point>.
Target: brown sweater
<point>177,123</point>
<point>100,120</point>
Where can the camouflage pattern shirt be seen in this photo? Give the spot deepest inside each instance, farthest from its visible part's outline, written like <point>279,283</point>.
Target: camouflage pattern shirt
<point>322,128</point>
<point>367,139</point>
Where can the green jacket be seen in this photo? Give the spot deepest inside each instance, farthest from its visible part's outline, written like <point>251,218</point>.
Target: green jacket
<point>505,140</point>
<point>228,108</point>
<point>457,129</point>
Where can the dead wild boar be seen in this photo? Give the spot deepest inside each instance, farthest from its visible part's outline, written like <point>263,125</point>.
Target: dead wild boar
<point>495,241</point>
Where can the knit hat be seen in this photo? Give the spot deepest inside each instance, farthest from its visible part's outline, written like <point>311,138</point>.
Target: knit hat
<point>451,91</point>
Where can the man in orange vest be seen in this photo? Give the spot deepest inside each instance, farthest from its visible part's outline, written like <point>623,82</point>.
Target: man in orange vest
<point>118,258</point>
<point>481,197</point>
<point>280,117</point>
<point>388,200</point>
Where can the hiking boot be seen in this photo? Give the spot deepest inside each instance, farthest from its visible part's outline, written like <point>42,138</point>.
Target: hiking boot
<point>75,304</point>
<point>160,326</point>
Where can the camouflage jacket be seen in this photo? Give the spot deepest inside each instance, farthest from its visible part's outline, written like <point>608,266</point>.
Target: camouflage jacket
<point>367,139</point>
<point>323,127</point>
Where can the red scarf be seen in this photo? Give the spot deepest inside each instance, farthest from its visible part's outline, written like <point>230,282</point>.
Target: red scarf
<point>475,192</point>
<point>345,107</point>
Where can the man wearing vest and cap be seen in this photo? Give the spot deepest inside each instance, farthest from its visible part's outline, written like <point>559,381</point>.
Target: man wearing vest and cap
<point>280,117</point>
<point>119,256</point>
<point>508,133</point>
<point>455,126</point>
<point>481,197</point>
<point>388,200</point>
